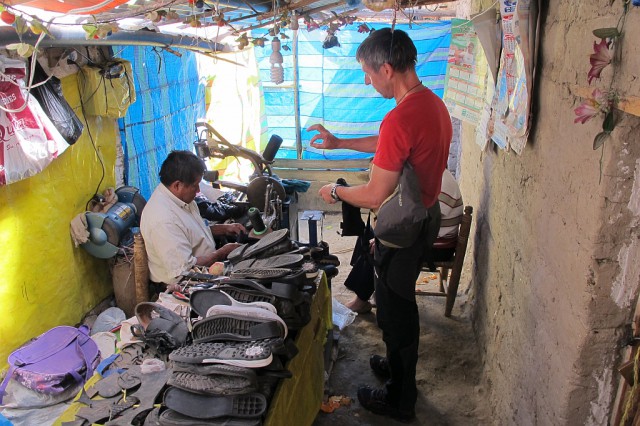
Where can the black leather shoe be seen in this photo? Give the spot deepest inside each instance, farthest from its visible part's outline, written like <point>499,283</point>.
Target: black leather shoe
<point>376,401</point>
<point>380,366</point>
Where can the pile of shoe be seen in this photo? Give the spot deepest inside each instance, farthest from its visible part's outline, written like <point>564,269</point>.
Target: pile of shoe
<point>229,371</point>
<point>223,345</point>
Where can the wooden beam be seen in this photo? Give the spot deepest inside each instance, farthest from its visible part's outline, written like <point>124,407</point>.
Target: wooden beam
<point>357,165</point>
<point>628,104</point>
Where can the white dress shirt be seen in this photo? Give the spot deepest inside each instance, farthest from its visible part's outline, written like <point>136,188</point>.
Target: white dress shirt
<point>174,235</point>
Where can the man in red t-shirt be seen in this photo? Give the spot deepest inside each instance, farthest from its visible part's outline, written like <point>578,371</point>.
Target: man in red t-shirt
<point>417,130</point>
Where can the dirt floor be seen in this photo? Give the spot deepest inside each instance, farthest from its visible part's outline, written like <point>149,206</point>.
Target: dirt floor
<point>448,373</point>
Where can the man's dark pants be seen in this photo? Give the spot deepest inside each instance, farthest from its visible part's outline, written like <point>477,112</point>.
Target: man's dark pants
<point>396,273</point>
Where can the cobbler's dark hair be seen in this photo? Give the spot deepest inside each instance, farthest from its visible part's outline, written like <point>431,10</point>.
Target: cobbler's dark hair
<point>183,166</point>
<point>385,45</point>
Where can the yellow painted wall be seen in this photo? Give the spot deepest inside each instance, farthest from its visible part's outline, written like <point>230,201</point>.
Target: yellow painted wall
<point>44,280</point>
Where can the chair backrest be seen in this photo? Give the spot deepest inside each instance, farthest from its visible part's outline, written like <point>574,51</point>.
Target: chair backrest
<point>463,237</point>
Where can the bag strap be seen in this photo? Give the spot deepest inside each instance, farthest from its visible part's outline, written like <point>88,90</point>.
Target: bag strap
<point>83,331</point>
<point>5,382</point>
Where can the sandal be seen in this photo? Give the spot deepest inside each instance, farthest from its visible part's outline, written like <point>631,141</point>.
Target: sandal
<point>151,384</point>
<point>199,406</point>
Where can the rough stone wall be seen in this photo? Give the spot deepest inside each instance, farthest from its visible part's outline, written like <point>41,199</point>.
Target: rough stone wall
<point>554,273</point>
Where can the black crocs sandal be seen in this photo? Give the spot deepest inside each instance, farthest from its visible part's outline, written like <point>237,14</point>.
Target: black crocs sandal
<point>252,405</point>
<point>213,379</point>
<point>241,354</point>
<point>173,418</point>
<point>279,261</point>
<point>246,251</point>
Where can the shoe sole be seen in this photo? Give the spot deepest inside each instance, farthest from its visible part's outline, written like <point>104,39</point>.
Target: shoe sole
<point>232,327</point>
<point>279,261</point>
<point>173,418</point>
<point>202,300</point>
<point>240,354</point>
<point>199,406</point>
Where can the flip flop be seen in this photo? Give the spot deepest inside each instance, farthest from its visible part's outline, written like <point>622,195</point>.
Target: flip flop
<point>241,354</point>
<point>151,384</point>
<point>173,418</point>
<point>225,323</point>
<point>213,379</point>
<point>279,261</point>
<point>252,405</point>
<point>202,300</point>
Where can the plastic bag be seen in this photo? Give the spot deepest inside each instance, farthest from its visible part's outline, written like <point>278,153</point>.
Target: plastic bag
<point>53,103</point>
<point>107,90</point>
<point>341,315</point>
<point>28,139</point>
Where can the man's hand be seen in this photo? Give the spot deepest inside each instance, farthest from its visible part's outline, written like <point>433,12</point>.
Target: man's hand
<point>222,253</point>
<point>325,193</point>
<point>328,140</point>
<point>228,229</point>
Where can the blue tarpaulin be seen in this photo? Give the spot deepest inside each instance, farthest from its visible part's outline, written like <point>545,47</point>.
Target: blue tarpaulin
<point>331,85</point>
<point>170,98</point>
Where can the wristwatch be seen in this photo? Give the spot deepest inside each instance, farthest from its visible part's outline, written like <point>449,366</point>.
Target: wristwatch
<point>334,194</point>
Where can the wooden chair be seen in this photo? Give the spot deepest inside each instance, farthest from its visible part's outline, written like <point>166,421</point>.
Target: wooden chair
<point>450,289</point>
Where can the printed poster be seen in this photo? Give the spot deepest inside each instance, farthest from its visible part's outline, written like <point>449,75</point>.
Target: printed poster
<point>464,92</point>
<point>512,98</point>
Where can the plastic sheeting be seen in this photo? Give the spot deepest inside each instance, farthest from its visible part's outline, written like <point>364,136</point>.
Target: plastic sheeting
<point>332,90</point>
<point>45,280</point>
<point>234,108</point>
<point>170,98</point>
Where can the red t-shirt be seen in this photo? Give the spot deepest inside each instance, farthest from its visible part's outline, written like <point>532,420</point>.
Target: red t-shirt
<point>418,129</point>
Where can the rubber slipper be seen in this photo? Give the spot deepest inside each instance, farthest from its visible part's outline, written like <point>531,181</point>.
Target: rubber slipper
<point>202,300</point>
<point>199,406</point>
<point>151,384</point>
<point>105,409</point>
<point>153,418</point>
<point>238,324</point>
<point>213,379</point>
<point>279,261</point>
<point>173,418</point>
<point>110,386</point>
<point>241,354</point>
<point>247,251</point>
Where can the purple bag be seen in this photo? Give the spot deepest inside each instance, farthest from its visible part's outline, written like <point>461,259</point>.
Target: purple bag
<point>54,361</point>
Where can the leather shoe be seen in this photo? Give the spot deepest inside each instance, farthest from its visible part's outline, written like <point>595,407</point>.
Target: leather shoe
<point>380,366</point>
<point>376,401</point>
